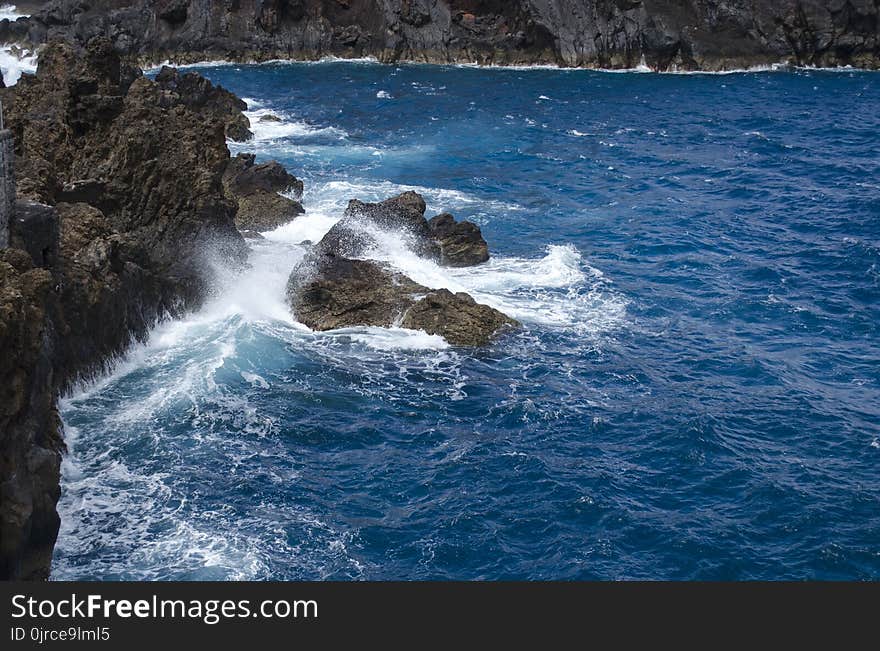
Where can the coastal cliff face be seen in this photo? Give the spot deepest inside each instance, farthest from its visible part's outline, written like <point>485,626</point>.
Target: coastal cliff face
<point>121,207</point>
<point>664,34</point>
<point>30,429</point>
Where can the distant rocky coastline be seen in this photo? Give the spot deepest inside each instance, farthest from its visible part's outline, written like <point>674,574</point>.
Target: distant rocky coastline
<point>660,34</point>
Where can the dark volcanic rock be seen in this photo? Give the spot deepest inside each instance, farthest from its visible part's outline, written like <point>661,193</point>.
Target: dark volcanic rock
<point>265,211</point>
<point>443,240</point>
<point>244,176</point>
<point>327,292</point>
<point>330,289</point>
<point>458,318</point>
<point>404,212</point>
<point>173,11</point>
<point>256,188</point>
<point>210,101</point>
<point>30,429</point>
<point>404,215</point>
<point>131,178</point>
<point>34,228</point>
<point>697,34</point>
<point>88,129</point>
<point>461,243</point>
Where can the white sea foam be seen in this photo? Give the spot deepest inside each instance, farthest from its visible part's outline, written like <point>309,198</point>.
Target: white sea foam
<point>141,520</point>
<point>383,94</point>
<point>10,12</point>
<point>253,104</point>
<point>330,198</point>
<point>222,63</point>
<point>392,338</point>
<point>557,290</point>
<point>284,127</point>
<point>641,68</point>
<point>308,228</point>
<point>13,62</point>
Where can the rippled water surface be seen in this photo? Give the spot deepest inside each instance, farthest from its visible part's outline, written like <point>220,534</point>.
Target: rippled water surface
<point>695,393</point>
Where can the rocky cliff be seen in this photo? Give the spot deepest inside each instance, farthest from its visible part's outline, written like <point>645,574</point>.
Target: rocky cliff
<point>121,213</point>
<point>664,34</point>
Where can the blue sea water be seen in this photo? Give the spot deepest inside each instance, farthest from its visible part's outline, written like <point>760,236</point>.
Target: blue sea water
<point>695,393</point>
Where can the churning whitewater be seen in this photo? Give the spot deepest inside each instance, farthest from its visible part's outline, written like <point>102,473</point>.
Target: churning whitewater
<point>694,393</point>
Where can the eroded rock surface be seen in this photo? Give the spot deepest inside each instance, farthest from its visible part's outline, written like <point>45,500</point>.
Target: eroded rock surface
<point>210,101</point>
<point>664,34</point>
<point>121,208</point>
<point>461,243</point>
<point>458,318</point>
<point>334,287</point>
<point>30,429</point>
<point>257,189</point>
<point>328,292</point>
<point>442,240</point>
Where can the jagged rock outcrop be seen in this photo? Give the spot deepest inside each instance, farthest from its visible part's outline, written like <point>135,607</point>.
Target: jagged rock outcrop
<point>209,101</point>
<point>458,318</point>
<point>122,206</point>
<point>692,34</point>
<point>442,240</point>
<point>327,292</point>
<point>90,129</point>
<point>363,224</point>
<point>256,189</point>
<point>334,288</point>
<point>461,243</point>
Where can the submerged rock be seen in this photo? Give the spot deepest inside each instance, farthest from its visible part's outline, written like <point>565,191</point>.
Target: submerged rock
<point>255,188</point>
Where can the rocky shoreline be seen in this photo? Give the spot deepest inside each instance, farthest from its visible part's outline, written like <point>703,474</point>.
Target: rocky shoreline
<point>109,235</point>
<point>663,35</point>
<point>127,196</point>
<point>127,201</point>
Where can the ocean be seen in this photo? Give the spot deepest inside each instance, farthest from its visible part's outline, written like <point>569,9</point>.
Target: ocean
<point>694,394</point>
